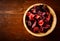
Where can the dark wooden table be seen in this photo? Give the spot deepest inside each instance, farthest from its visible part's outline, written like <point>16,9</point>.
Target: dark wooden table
<point>11,20</point>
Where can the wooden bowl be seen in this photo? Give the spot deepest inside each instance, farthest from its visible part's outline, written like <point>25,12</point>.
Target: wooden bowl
<point>53,22</point>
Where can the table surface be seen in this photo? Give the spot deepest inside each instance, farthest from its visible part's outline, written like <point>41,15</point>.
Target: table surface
<point>11,20</point>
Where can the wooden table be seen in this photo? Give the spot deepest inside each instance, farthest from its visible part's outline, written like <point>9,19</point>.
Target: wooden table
<point>11,20</point>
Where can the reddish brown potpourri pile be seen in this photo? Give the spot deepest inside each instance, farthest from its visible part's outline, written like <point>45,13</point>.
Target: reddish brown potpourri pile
<point>38,19</point>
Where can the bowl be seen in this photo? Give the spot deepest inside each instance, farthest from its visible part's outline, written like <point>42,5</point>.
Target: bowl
<point>52,25</point>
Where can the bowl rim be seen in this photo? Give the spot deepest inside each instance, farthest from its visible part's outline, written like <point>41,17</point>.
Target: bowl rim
<point>53,23</point>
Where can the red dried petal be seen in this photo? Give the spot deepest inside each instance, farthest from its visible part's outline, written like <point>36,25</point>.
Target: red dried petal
<point>34,10</point>
<point>30,15</point>
<point>35,29</point>
<point>37,16</point>
<point>41,29</point>
<point>43,13</point>
<point>34,24</point>
<point>41,22</point>
<point>48,18</point>
<point>39,12</point>
<point>29,23</point>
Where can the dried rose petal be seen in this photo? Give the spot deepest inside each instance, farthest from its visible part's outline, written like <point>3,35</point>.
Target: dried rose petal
<point>33,10</point>
<point>41,22</point>
<point>43,13</point>
<point>39,12</point>
<point>30,15</point>
<point>34,24</point>
<point>47,13</point>
<point>35,29</point>
<point>37,16</point>
<point>29,23</point>
<point>41,29</point>
<point>47,26</point>
<point>48,18</point>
